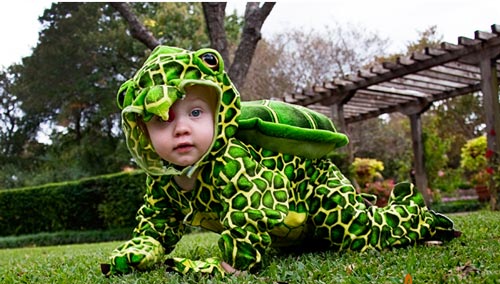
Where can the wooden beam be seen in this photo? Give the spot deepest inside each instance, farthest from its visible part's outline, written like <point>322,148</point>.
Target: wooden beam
<point>392,89</point>
<point>432,74</point>
<point>387,98</point>
<point>465,73</point>
<point>422,83</point>
<point>439,83</point>
<point>418,153</point>
<point>453,52</point>
<point>457,92</point>
<point>384,96</point>
<point>461,66</point>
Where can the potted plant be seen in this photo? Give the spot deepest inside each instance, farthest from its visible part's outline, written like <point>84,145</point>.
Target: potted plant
<point>474,162</point>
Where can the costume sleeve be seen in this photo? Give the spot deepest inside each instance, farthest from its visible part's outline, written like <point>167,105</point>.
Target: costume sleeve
<point>159,229</point>
<point>255,200</point>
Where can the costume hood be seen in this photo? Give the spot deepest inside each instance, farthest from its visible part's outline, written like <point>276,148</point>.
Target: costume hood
<point>154,89</point>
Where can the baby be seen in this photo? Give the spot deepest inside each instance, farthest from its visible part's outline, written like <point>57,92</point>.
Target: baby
<point>184,126</point>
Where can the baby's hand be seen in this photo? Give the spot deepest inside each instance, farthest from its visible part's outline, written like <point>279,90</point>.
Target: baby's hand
<point>139,253</point>
<point>231,270</point>
<point>208,266</point>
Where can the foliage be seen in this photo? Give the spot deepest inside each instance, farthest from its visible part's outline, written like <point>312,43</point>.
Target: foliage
<point>84,55</point>
<point>367,170</point>
<point>381,189</point>
<point>471,259</point>
<point>435,152</point>
<point>103,202</point>
<point>474,159</point>
<point>175,23</point>
<point>457,120</point>
<point>448,180</point>
<point>371,138</point>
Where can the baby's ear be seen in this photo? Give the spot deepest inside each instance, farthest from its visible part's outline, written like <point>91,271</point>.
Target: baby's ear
<point>125,94</point>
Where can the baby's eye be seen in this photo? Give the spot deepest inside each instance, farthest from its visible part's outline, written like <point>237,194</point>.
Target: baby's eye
<point>196,112</point>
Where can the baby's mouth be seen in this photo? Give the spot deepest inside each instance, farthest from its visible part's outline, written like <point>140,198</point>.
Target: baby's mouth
<point>183,147</point>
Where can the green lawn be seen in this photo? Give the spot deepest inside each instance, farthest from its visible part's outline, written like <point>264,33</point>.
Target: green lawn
<point>474,258</point>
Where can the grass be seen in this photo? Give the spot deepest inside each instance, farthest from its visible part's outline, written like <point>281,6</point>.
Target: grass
<point>474,258</point>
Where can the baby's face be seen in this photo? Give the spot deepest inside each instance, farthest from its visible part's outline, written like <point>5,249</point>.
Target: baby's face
<point>189,132</point>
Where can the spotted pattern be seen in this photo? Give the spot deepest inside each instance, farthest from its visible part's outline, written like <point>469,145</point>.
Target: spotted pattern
<point>254,197</point>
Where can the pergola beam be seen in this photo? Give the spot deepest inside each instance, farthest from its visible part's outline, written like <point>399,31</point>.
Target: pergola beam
<point>411,85</point>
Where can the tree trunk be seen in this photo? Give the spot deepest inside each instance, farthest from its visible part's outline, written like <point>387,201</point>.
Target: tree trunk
<point>254,19</point>
<point>214,13</point>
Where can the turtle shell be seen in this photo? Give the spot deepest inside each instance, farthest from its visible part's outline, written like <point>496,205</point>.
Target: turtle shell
<point>289,129</point>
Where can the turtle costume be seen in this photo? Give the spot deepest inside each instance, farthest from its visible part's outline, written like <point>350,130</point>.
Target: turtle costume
<point>266,180</point>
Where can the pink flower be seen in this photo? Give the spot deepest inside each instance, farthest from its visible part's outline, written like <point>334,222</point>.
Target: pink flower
<point>489,153</point>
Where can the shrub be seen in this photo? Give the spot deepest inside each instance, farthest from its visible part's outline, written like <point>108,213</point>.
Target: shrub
<point>473,159</point>
<point>366,170</point>
<point>97,203</point>
<point>64,237</point>
<point>381,189</point>
<point>457,206</point>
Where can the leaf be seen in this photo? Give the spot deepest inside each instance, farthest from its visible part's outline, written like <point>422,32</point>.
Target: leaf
<point>350,268</point>
<point>408,279</point>
<point>464,271</point>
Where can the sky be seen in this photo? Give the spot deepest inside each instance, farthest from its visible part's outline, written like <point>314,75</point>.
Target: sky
<point>397,20</point>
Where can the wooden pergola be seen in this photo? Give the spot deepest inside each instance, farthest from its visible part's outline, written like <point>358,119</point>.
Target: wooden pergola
<point>412,84</point>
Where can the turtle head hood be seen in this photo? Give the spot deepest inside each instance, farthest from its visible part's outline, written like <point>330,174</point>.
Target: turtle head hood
<point>157,85</point>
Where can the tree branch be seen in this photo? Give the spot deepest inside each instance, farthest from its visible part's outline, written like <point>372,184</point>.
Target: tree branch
<point>254,19</point>
<point>214,13</point>
<point>137,29</point>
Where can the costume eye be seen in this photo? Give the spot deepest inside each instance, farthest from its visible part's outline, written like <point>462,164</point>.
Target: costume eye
<point>211,60</point>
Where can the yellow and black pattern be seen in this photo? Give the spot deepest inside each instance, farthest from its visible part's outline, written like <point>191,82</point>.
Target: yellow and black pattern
<point>253,195</point>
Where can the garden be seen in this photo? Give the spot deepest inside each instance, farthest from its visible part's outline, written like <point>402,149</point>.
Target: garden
<point>66,199</point>
<point>470,183</point>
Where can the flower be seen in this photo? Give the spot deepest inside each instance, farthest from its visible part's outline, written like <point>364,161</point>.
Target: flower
<point>489,153</point>
<point>490,170</point>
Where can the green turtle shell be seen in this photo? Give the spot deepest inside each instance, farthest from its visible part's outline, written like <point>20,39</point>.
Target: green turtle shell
<point>288,129</point>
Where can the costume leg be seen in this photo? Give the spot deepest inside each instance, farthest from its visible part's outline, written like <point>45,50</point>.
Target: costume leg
<point>343,221</point>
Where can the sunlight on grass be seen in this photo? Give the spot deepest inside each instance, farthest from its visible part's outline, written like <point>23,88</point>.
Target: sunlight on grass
<point>474,258</point>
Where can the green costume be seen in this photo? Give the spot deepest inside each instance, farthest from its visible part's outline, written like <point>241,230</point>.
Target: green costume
<point>264,182</point>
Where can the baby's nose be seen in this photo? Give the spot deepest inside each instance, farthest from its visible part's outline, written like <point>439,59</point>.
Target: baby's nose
<point>181,126</point>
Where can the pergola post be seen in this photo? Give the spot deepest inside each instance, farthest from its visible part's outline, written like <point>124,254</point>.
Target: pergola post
<point>340,124</point>
<point>489,88</point>
<point>418,153</point>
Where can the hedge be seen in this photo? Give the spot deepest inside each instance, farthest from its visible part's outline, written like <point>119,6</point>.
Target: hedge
<point>97,203</point>
<point>457,206</point>
<point>65,238</point>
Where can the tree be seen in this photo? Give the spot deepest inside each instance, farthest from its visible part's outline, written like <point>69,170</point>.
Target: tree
<point>214,14</point>
<point>299,59</point>
<point>70,82</point>
<point>68,86</point>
